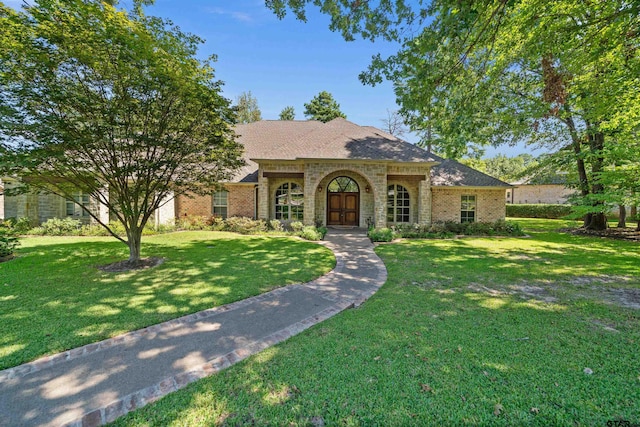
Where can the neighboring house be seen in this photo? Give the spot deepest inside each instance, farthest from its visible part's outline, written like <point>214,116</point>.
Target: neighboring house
<point>342,174</point>
<point>336,173</point>
<point>527,191</point>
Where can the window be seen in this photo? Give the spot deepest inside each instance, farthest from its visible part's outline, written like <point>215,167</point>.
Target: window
<point>220,203</point>
<point>73,209</point>
<point>343,184</point>
<point>468,209</point>
<point>397,204</point>
<point>290,202</point>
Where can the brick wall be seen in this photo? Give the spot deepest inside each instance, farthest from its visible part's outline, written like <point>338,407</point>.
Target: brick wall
<point>194,206</point>
<point>546,193</point>
<point>446,203</point>
<point>241,200</point>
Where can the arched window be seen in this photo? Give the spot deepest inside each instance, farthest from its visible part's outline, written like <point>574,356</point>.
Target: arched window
<point>397,204</point>
<point>290,202</point>
<point>343,184</point>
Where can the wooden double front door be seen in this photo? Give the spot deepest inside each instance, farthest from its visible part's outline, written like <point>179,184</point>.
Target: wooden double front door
<point>343,208</point>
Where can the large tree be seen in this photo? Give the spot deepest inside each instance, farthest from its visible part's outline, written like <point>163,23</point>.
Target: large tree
<point>323,107</point>
<point>394,124</point>
<point>562,73</point>
<point>112,103</point>
<point>248,109</point>
<point>288,113</point>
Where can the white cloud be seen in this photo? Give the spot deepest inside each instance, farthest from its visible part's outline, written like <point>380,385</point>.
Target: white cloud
<point>238,16</point>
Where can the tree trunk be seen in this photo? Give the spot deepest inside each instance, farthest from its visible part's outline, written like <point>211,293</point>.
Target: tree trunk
<point>596,142</point>
<point>134,237</point>
<point>634,215</point>
<point>622,219</point>
<point>577,150</point>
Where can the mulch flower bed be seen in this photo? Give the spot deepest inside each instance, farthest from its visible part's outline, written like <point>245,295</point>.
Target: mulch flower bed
<point>632,234</point>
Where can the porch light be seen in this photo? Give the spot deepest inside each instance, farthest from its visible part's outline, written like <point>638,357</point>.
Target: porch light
<point>319,189</point>
<point>367,189</point>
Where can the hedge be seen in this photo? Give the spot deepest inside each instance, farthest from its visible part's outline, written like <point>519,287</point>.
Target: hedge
<point>550,211</point>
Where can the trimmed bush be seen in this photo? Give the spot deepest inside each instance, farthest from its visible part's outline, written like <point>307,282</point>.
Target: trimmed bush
<point>276,225</point>
<point>59,227</point>
<point>549,211</point>
<point>296,226</point>
<point>448,229</point>
<point>381,234</point>
<point>17,225</point>
<point>8,241</point>
<point>311,233</point>
<point>193,222</point>
<point>244,225</point>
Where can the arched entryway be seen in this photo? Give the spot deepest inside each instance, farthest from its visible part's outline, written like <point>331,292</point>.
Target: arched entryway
<point>343,202</point>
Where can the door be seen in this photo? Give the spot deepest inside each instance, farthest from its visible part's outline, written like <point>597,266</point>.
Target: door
<point>343,208</point>
<point>343,202</point>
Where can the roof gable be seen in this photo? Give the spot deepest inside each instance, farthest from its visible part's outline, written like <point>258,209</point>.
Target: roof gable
<point>344,140</point>
<point>450,173</point>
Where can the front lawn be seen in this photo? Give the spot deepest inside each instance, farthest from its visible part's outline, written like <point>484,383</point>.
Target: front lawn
<point>53,298</point>
<point>480,331</point>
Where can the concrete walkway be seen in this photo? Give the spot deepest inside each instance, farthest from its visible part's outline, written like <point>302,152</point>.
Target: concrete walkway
<point>97,383</point>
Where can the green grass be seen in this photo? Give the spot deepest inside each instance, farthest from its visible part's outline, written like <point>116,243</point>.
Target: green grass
<point>475,331</point>
<point>53,298</point>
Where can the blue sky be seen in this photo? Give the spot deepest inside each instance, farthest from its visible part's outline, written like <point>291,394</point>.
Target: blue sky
<point>284,62</point>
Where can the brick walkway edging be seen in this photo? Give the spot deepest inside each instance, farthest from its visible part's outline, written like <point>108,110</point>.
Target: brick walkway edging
<point>140,398</point>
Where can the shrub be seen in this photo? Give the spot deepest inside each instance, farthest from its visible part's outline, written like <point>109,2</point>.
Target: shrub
<point>94,230</point>
<point>420,231</point>
<point>193,222</point>
<point>18,225</point>
<point>296,226</point>
<point>479,229</point>
<point>8,241</point>
<point>311,233</point>
<point>59,227</point>
<point>508,228</point>
<point>244,225</point>
<point>550,211</point>
<point>276,225</point>
<point>381,235</point>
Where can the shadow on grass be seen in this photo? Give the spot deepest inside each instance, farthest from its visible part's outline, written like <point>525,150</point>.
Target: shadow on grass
<point>53,298</point>
<point>428,350</point>
<point>415,356</point>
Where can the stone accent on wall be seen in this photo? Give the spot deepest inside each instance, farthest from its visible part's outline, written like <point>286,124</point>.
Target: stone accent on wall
<point>446,203</point>
<point>263,196</point>
<point>412,187</point>
<point>366,199</point>
<point>424,202</point>
<point>373,175</point>
<point>368,174</point>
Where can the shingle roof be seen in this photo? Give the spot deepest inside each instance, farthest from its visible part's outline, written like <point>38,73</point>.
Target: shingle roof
<point>454,174</point>
<point>341,139</point>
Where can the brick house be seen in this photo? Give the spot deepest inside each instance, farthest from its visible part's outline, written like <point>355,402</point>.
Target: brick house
<point>339,173</point>
<point>335,173</point>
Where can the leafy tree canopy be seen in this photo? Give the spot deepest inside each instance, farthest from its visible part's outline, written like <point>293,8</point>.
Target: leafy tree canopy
<point>323,108</point>
<point>111,103</point>
<point>563,74</point>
